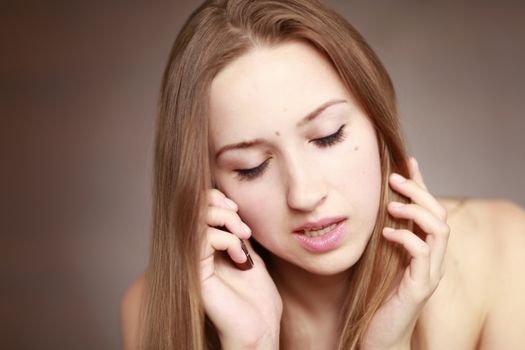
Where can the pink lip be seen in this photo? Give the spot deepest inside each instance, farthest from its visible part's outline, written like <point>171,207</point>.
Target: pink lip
<point>327,242</point>
<point>318,224</point>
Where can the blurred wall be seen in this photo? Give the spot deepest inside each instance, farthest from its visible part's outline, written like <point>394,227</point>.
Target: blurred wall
<point>78,90</point>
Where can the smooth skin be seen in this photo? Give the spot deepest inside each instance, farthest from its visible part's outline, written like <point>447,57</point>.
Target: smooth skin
<point>241,312</point>
<point>479,301</point>
<point>302,173</point>
<point>462,296</point>
<point>245,306</point>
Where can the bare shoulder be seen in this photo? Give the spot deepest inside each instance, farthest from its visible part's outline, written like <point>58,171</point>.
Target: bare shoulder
<point>496,227</point>
<point>499,223</point>
<point>508,218</point>
<point>505,320</point>
<point>130,313</point>
<point>487,242</point>
<point>481,290</point>
<point>497,211</point>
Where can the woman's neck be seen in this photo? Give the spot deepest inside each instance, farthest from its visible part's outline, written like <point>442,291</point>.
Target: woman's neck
<point>312,303</point>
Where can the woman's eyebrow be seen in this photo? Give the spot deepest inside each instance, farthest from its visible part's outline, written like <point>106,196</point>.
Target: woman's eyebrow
<point>240,145</point>
<point>305,120</point>
<point>310,116</point>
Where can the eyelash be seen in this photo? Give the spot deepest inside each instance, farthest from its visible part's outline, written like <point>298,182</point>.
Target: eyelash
<point>323,142</point>
<point>330,140</point>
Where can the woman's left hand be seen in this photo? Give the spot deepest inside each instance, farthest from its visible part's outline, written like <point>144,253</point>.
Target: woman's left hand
<point>393,324</point>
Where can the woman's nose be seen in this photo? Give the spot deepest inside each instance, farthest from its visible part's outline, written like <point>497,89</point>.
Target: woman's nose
<point>306,187</point>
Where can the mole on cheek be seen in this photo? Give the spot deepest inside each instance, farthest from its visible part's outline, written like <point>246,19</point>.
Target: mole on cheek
<point>356,148</point>
<point>277,133</point>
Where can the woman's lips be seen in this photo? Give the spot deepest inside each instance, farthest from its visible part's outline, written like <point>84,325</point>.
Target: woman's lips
<point>318,224</point>
<point>324,243</point>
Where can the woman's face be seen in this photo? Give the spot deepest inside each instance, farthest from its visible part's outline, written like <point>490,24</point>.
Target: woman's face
<point>291,170</point>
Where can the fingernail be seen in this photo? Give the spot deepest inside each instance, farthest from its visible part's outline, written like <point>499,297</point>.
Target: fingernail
<point>398,178</point>
<point>388,230</point>
<point>230,203</point>
<point>245,228</point>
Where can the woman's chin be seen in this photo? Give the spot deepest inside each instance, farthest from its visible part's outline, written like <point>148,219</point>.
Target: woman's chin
<point>326,264</point>
<point>331,265</point>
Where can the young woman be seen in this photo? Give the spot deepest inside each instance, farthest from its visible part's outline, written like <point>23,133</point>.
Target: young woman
<point>287,213</point>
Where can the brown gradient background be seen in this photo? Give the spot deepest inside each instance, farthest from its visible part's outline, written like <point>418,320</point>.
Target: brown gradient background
<point>78,89</point>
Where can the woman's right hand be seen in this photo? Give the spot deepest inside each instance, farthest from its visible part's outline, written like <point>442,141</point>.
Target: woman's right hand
<point>244,305</point>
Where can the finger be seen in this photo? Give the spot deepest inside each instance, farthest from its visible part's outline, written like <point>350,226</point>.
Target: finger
<point>418,250</point>
<point>420,215</point>
<point>217,198</point>
<point>223,241</point>
<point>437,231</point>
<point>415,173</point>
<point>417,194</point>
<point>218,217</point>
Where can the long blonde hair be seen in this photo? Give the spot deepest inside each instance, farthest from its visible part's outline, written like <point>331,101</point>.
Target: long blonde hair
<point>215,34</point>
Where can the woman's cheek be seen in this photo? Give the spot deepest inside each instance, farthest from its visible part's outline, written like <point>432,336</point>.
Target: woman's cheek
<point>260,209</point>
<point>367,185</point>
<point>252,202</point>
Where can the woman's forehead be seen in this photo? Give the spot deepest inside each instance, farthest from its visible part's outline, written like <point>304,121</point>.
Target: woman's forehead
<point>273,82</point>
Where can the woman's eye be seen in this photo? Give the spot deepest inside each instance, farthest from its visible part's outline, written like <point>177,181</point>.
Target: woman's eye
<point>330,140</point>
<point>248,174</point>
<point>327,141</point>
